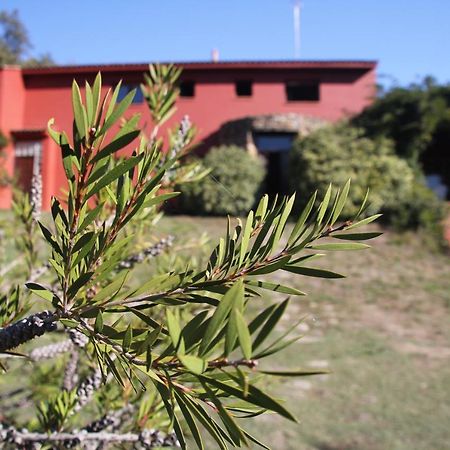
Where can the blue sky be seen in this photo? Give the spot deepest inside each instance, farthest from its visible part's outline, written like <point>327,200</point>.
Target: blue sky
<point>409,38</point>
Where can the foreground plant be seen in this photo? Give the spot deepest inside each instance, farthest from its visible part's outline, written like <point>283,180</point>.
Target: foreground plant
<point>177,352</point>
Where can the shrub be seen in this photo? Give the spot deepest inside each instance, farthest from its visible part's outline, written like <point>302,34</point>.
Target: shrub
<point>339,152</point>
<point>420,210</point>
<point>136,362</point>
<point>4,178</point>
<point>410,116</point>
<point>231,187</point>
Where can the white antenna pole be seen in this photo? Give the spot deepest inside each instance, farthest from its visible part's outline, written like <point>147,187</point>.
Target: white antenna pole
<point>297,7</point>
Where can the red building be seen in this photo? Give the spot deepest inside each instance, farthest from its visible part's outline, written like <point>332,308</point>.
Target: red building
<point>226,100</point>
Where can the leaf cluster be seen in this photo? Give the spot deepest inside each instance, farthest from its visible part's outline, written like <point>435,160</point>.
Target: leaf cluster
<point>183,346</point>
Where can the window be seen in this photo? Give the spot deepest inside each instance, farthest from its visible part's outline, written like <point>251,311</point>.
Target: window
<point>126,88</point>
<point>243,88</point>
<point>187,89</point>
<point>302,91</point>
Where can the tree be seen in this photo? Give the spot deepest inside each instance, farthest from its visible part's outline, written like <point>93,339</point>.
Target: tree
<point>15,42</point>
<point>409,116</point>
<point>177,351</point>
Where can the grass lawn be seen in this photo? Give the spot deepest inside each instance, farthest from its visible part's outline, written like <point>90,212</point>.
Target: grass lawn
<point>383,333</point>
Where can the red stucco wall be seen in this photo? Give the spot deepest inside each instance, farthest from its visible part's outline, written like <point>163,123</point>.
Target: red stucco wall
<point>12,102</point>
<point>29,98</point>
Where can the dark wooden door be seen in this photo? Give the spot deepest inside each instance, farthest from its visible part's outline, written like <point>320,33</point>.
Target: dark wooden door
<point>23,172</point>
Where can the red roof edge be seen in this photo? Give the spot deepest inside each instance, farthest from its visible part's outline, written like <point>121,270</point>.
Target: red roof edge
<point>287,64</point>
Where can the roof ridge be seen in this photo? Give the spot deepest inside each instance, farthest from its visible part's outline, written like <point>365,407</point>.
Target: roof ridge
<point>281,63</point>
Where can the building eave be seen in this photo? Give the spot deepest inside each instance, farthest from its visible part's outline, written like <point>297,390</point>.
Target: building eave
<point>364,65</point>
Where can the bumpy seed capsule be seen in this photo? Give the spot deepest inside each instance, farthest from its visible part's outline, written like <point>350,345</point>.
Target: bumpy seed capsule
<point>70,371</point>
<point>79,339</point>
<point>50,351</point>
<point>36,196</point>
<point>26,329</point>
<point>87,388</point>
<point>148,253</point>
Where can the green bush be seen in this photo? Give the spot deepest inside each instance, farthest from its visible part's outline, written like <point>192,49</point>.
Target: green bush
<point>4,178</point>
<point>338,152</point>
<point>231,187</point>
<point>421,209</point>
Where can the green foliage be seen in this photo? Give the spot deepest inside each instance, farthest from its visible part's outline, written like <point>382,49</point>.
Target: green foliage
<point>407,115</point>
<point>3,141</point>
<point>339,152</point>
<point>231,187</point>
<point>15,42</point>
<point>160,92</point>
<point>179,347</point>
<point>25,235</point>
<point>4,178</point>
<point>421,209</point>
<point>54,413</point>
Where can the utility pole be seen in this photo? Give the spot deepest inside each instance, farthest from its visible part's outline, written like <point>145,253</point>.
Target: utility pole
<point>297,8</point>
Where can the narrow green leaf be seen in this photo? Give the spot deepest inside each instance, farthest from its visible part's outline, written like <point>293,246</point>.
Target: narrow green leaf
<point>148,320</point>
<point>168,403</point>
<point>271,267</point>
<point>58,268</point>
<point>40,291</point>
<point>193,363</point>
<point>118,111</point>
<point>243,334</point>
<point>340,246</point>
<point>262,207</point>
<point>270,324</point>
<point>231,335</point>
<point>82,241</point>
<point>282,222</point>
<point>98,326</point>
<point>299,226</point>
<point>79,283</point>
<point>357,236</point>
<point>126,342</point>
<point>324,205</point>
<point>207,421</point>
<point>362,222</point>
<point>253,439</point>
<point>173,325</point>
<point>160,199</point>
<point>363,205</point>
<point>245,238</point>
<point>89,104</point>
<point>96,91</point>
<point>79,112</point>
<point>116,144</point>
<point>235,431</point>
<point>233,295</point>
<point>255,396</point>
<point>294,373</point>
<point>115,173</point>
<point>312,272</point>
<point>55,135</point>
<point>274,287</point>
<point>340,202</point>
<point>69,323</point>
<point>91,216</point>
<point>184,408</point>
<point>50,238</point>
<point>110,290</point>
<point>277,347</point>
